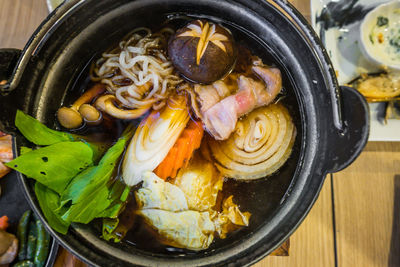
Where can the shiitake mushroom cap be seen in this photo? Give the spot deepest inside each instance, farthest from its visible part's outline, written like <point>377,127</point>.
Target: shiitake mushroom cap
<point>214,44</point>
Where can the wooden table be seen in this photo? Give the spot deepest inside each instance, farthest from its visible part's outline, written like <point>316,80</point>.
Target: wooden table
<point>355,221</point>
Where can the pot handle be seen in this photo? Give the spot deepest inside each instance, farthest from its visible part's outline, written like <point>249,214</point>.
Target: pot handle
<point>9,101</point>
<point>347,144</point>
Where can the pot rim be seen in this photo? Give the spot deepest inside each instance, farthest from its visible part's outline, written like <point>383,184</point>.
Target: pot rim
<point>293,16</point>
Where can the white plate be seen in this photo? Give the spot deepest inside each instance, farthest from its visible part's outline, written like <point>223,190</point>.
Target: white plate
<point>348,61</point>
<point>52,4</point>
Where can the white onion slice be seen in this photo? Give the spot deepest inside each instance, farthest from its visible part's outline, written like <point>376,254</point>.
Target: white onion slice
<point>259,146</point>
<point>153,139</point>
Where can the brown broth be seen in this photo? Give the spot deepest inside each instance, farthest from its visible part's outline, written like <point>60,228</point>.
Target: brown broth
<point>260,197</point>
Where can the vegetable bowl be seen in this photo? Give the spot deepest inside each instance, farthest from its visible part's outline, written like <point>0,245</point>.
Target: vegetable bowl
<point>331,122</point>
<point>379,36</point>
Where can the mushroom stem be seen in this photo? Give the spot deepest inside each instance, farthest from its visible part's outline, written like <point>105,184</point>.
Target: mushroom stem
<point>70,117</point>
<point>106,103</point>
<point>89,95</point>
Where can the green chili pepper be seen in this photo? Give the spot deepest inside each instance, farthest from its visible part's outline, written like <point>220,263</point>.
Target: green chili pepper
<point>42,245</point>
<point>22,233</point>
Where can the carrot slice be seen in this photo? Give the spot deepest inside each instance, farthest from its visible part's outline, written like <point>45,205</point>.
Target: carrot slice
<point>182,151</point>
<point>183,145</point>
<point>3,223</point>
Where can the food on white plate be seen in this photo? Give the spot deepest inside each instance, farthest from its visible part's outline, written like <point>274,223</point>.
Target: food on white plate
<point>380,35</point>
<point>378,88</point>
<point>155,165</point>
<point>388,110</point>
<point>385,37</point>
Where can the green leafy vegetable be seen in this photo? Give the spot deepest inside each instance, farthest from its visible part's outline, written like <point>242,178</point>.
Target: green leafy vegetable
<point>87,196</point>
<point>54,165</point>
<point>118,200</point>
<point>109,227</point>
<point>98,149</point>
<point>115,228</point>
<point>24,150</point>
<point>395,41</point>
<point>371,38</point>
<point>68,187</point>
<point>49,201</point>
<point>382,21</point>
<point>38,133</point>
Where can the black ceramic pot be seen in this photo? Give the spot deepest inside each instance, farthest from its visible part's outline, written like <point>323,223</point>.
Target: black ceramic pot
<point>332,121</point>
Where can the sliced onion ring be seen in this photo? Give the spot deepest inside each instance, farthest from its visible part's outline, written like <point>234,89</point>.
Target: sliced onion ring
<point>259,146</point>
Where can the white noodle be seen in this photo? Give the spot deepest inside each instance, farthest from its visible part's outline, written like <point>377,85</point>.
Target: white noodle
<point>155,86</point>
<point>140,59</point>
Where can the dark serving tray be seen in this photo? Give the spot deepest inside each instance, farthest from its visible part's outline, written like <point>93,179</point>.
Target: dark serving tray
<point>13,204</point>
